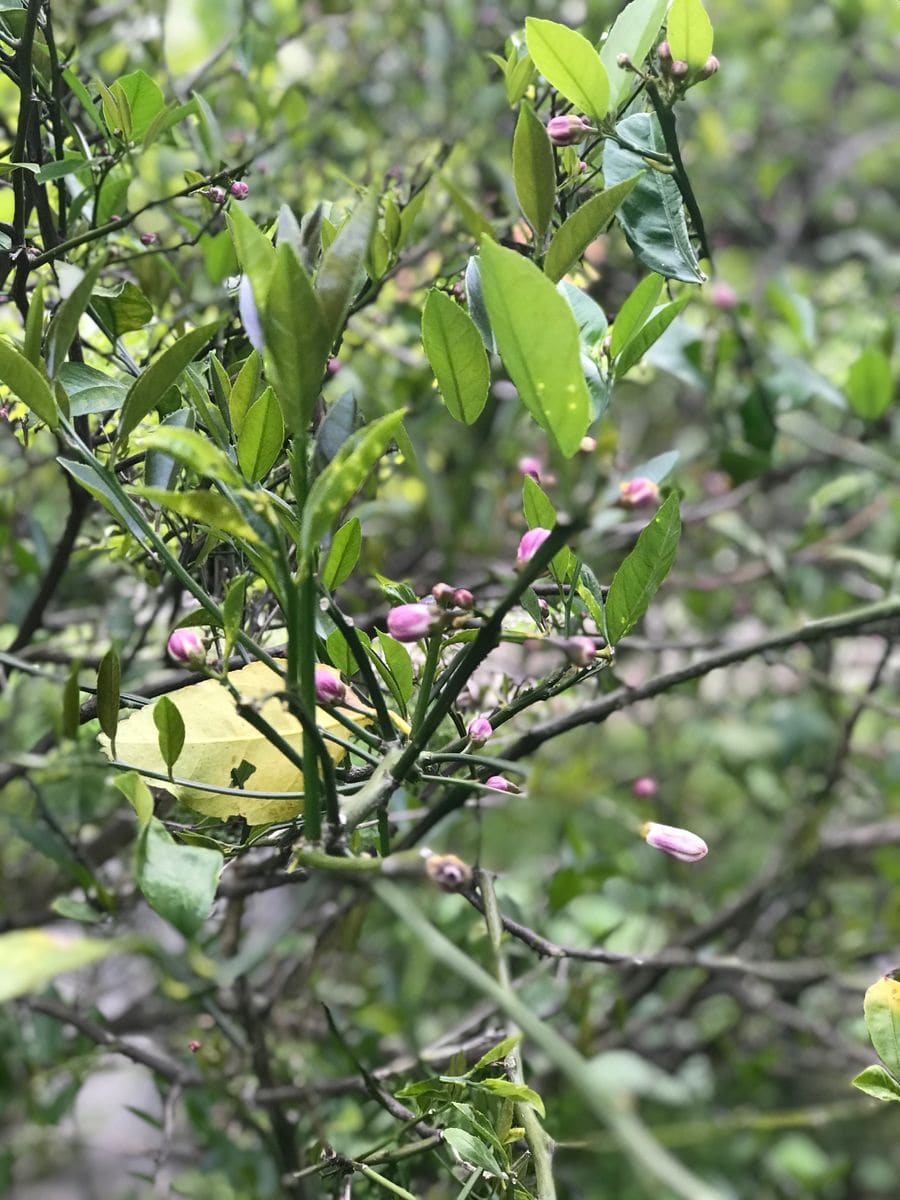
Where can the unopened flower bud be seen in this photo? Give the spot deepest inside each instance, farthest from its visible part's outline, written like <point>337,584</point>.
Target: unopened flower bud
<point>148,239</point>
<point>644,787</point>
<point>582,167</point>
<point>240,190</point>
<point>500,783</point>
<point>334,365</point>
<point>186,646</point>
<point>624,61</point>
<point>581,651</point>
<point>215,194</point>
<point>543,607</point>
<point>194,1045</point>
<point>479,730</point>
<point>410,622</point>
<point>463,598</point>
<point>588,444</point>
<point>443,594</point>
<point>568,130</point>
<point>449,872</point>
<point>530,543</point>
<point>679,843</point>
<point>709,67</point>
<point>723,297</point>
<point>637,493</point>
<point>330,688</point>
<point>663,53</point>
<point>679,69</point>
<point>529,465</point>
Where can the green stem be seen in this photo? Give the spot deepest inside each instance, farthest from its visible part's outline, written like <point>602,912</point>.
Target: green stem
<point>432,659</point>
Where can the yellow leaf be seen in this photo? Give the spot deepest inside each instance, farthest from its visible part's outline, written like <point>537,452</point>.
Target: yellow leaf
<point>217,740</point>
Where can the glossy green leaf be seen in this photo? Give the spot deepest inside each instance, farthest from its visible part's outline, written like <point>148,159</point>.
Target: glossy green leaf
<point>540,513</point>
<point>93,481</point>
<point>537,337</point>
<point>71,703</point>
<point>635,311</point>
<point>342,478</point>
<point>209,508</point>
<point>519,1092</point>
<point>34,327</point>
<point>342,271</point>
<point>170,728</point>
<point>534,171</point>
<point>178,882</point>
<point>243,391</point>
<point>569,62</point>
<point>399,676</point>
<point>472,1150</point>
<point>497,1052</point>
<point>339,422</point>
<point>64,325</point>
<point>138,795</point>
<point>638,578</point>
<point>261,437</point>
<point>647,335</point>
<point>343,554</point>
<point>653,216</point>
<point>882,1012</point>
<point>589,316</point>
<point>584,225</point>
<point>457,357</point>
<point>123,309</point>
<point>633,33</point>
<point>477,307</point>
<point>32,957</point>
<point>151,385</point>
<point>689,32</point>
<point>145,100</point>
<point>28,384</point>
<point>518,78</point>
<point>193,450</point>
<point>870,386</point>
<point>875,1081</point>
<point>255,252</point>
<point>109,675</point>
<point>298,340</point>
<point>159,467</point>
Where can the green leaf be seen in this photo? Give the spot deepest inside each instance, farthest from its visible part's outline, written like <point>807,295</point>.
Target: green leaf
<point>534,171</point>
<point>538,341</point>
<point>261,437</point>
<point>151,385</point>
<point>28,384</point>
<point>585,224</point>
<point>298,340</point>
<point>77,88</point>
<point>869,384</point>
<point>689,33</point>
<point>570,63</point>
<point>472,1150</point>
<point>540,513</point>
<point>109,675</point>
<point>193,450</point>
<point>514,1091</point>
<point>232,612</point>
<point>167,118</point>
<point>399,664</point>
<point>93,481</point>
<point>457,356</point>
<point>71,704</point>
<point>633,33</point>
<point>342,270</point>
<point>34,327</point>
<point>209,508</point>
<point>116,114</point>
<point>124,309</point>
<point>640,343</point>
<point>653,215</point>
<point>339,653</point>
<point>145,100</point>
<point>517,78</point>
<point>32,957</point>
<point>882,1012</point>
<point>243,391</point>
<point>589,316</point>
<point>160,468</point>
<point>178,882</point>
<point>875,1081</point>
<point>138,795</point>
<point>170,728</point>
<point>255,252</point>
<point>343,476</point>
<point>497,1052</point>
<point>343,555</point>
<point>477,225</point>
<point>635,310</point>
<point>638,578</point>
<point>477,307</point>
<point>60,168</point>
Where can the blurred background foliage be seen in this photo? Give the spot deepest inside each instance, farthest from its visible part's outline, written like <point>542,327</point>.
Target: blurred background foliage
<point>788,765</point>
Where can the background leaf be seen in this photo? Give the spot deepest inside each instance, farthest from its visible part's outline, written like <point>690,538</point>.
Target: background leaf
<point>636,582</point>
<point>457,357</point>
<point>534,171</point>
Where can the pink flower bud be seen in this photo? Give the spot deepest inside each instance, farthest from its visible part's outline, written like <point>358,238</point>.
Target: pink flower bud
<point>588,444</point>
<point>723,297</point>
<point>568,131</point>
<point>637,493</point>
<point>663,53</point>
<point>579,650</point>
<point>530,543</point>
<point>410,622</point>
<point>679,69</point>
<point>148,239</point>
<point>500,784</point>
<point>240,190</point>
<point>644,787</point>
<point>334,365</point>
<point>194,1045</point>
<point>479,730</point>
<point>709,68</point>
<point>680,843</point>
<point>582,167</point>
<point>443,594</point>
<point>529,465</point>
<point>463,598</point>
<point>624,61</point>
<point>215,194</point>
<point>186,646</point>
<point>329,687</point>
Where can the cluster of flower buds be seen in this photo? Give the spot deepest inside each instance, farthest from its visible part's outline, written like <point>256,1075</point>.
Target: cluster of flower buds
<point>568,130</point>
<point>679,843</point>
<point>450,597</point>
<point>677,70</point>
<point>186,646</point>
<point>330,689</point>
<point>637,493</point>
